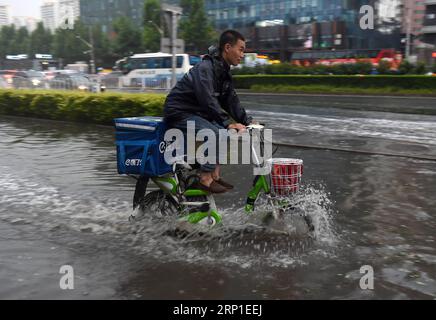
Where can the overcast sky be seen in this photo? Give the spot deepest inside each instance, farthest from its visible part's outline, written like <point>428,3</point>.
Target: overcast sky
<point>23,7</point>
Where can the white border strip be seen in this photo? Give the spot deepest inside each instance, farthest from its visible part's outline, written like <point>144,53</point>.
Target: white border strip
<point>135,126</point>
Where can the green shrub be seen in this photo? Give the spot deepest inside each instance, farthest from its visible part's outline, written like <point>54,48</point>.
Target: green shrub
<point>362,68</point>
<point>406,67</point>
<point>384,67</point>
<point>420,68</point>
<point>319,69</point>
<point>74,106</point>
<point>287,68</point>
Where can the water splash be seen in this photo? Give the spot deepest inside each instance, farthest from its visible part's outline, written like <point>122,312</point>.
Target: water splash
<point>240,240</point>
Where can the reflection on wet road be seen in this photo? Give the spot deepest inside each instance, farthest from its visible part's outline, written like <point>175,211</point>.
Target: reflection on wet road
<point>345,129</point>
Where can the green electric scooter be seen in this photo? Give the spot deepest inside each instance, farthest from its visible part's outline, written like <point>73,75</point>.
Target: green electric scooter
<point>177,198</point>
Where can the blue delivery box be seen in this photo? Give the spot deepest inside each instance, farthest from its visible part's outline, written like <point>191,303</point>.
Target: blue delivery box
<point>141,146</point>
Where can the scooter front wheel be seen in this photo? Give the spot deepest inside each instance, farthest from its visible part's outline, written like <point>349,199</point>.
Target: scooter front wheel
<point>204,218</point>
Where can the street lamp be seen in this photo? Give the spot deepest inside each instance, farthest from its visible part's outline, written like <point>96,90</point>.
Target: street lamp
<point>91,51</point>
<point>162,34</point>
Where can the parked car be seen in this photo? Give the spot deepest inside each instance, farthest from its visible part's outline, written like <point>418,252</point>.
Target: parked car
<point>112,79</point>
<point>37,79</point>
<point>24,79</point>
<point>49,75</point>
<point>3,83</point>
<point>71,82</point>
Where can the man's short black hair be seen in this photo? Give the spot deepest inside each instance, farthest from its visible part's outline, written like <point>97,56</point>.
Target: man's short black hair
<point>230,36</point>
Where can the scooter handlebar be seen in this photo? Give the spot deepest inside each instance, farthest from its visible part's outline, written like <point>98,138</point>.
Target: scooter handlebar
<point>256,127</point>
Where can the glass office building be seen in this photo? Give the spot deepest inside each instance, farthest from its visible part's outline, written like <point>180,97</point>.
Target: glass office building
<point>244,13</point>
<point>104,12</point>
<point>286,25</point>
<point>276,26</point>
<point>429,28</point>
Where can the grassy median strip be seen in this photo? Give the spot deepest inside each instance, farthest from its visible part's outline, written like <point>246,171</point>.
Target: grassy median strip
<point>80,107</point>
<point>401,85</point>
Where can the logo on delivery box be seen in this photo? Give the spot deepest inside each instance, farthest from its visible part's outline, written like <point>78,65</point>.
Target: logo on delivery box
<point>133,162</point>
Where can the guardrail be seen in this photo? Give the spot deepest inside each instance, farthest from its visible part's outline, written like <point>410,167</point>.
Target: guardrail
<point>95,84</point>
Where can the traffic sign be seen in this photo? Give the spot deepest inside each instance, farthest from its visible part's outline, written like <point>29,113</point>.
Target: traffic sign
<point>165,45</point>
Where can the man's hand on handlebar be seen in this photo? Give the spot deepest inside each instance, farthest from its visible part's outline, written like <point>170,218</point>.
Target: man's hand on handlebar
<point>238,126</point>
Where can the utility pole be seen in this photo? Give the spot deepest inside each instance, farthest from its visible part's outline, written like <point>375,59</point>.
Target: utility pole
<point>91,49</point>
<point>172,16</point>
<point>409,31</point>
<point>173,48</point>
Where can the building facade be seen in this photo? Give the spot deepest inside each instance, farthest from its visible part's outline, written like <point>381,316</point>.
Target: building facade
<point>67,12</point>
<point>29,23</point>
<point>48,15</point>
<point>282,26</point>
<point>104,12</point>
<point>429,28</point>
<point>4,15</point>
<point>413,15</point>
<point>60,13</point>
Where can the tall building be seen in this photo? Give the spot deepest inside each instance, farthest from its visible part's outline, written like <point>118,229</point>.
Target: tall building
<point>429,28</point>
<point>413,15</point>
<point>60,13</point>
<point>67,12</point>
<point>104,12</point>
<point>48,15</point>
<point>4,15</point>
<point>29,23</point>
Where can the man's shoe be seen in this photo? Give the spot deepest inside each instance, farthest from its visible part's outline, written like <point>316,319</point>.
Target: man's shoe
<point>214,188</point>
<point>225,184</point>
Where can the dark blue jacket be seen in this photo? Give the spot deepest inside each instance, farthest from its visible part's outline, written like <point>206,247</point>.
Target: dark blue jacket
<point>207,91</point>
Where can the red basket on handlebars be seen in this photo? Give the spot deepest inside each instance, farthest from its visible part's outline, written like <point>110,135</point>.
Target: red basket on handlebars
<point>285,176</point>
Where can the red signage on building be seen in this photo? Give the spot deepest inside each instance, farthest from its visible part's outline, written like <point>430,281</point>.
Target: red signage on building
<point>434,55</point>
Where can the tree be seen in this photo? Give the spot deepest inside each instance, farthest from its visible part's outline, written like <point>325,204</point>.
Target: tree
<point>405,67</point>
<point>127,39</point>
<point>7,37</point>
<point>104,55</point>
<point>152,24</point>
<point>420,68</point>
<point>384,67</point>
<point>22,41</point>
<point>196,29</point>
<point>68,47</point>
<point>40,40</point>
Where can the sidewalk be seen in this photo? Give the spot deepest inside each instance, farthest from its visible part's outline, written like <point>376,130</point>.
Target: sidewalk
<point>297,93</point>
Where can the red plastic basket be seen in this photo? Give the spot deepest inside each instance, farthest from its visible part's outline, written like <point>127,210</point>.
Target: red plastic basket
<point>286,176</point>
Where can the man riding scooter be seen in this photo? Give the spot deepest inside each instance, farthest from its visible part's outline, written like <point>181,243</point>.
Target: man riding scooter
<point>206,96</point>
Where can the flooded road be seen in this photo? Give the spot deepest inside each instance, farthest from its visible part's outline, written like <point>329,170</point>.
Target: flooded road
<point>62,203</point>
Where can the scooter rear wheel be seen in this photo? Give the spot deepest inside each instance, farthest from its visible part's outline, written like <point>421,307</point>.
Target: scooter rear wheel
<point>159,205</point>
